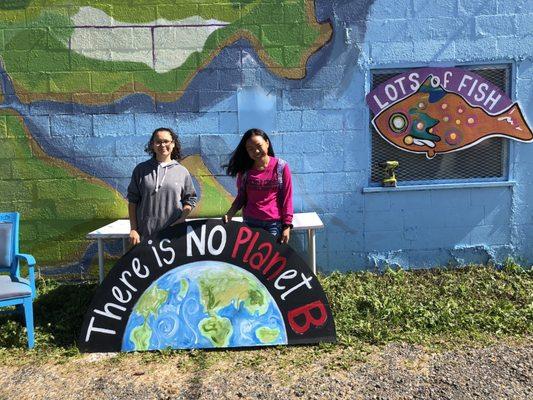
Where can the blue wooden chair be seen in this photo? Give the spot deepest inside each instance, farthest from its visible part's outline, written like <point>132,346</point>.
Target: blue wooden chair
<point>14,290</point>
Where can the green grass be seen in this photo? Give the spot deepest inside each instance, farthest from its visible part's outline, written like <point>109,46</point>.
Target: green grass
<point>435,308</point>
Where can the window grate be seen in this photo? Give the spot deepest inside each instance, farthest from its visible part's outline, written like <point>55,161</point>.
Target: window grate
<point>486,160</point>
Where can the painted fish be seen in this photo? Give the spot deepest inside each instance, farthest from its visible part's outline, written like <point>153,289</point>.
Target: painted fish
<point>433,120</point>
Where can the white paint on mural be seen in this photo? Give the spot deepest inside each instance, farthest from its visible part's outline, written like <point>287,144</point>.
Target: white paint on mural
<point>161,44</point>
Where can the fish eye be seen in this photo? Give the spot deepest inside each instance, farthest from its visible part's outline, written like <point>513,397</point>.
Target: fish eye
<point>398,122</point>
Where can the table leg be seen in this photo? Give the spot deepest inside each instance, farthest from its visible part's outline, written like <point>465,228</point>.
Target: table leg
<point>311,249</point>
<point>101,260</point>
<point>124,245</point>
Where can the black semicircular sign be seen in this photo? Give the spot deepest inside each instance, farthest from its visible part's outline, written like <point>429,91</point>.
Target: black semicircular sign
<point>204,284</point>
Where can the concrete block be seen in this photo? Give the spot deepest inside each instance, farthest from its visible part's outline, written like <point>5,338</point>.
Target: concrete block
<point>512,48</point>
<point>439,28</point>
<point>130,146</point>
<point>377,201</point>
<point>113,125</point>
<point>302,142</point>
<point>98,147</point>
<point>229,79</point>
<point>384,241</point>
<point>289,121</point>
<point>320,162</point>
<point>204,123</point>
<point>380,221</point>
<point>498,215</point>
<point>218,144</point>
<point>467,49</point>
<point>302,99</point>
<point>490,235</point>
<point>491,197</point>
<point>227,102</point>
<point>320,120</point>
<point>308,183</point>
<point>228,58</point>
<point>326,78</point>
<point>37,124</point>
<point>443,8</point>
<point>515,7</point>
<point>435,50</point>
<point>251,77</point>
<point>135,103</point>
<point>383,53</point>
<point>187,102</point>
<point>71,125</point>
<point>477,7</point>
<point>145,124</point>
<point>452,198</point>
<point>495,25</point>
<point>386,9</point>
<point>228,123</point>
<point>388,30</point>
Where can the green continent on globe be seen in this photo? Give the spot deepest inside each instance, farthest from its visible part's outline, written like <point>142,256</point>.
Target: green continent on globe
<point>140,336</point>
<point>184,288</point>
<point>150,301</point>
<point>267,335</point>
<point>220,289</point>
<point>217,329</point>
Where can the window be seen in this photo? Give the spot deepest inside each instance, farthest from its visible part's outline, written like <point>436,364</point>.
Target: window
<point>485,161</point>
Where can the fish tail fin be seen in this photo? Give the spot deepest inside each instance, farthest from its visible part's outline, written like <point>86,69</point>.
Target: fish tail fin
<point>515,123</point>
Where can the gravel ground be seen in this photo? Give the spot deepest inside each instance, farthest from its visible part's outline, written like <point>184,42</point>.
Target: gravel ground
<point>396,371</point>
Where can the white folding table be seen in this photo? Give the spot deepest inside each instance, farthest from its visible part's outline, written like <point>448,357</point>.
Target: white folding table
<point>120,229</point>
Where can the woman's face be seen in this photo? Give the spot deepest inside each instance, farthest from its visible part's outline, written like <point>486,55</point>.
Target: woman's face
<point>163,144</point>
<point>256,147</point>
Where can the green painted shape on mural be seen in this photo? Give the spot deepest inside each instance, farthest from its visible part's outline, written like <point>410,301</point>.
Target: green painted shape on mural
<point>286,44</point>
<point>51,197</point>
<point>214,199</point>
<point>141,336</point>
<point>217,330</point>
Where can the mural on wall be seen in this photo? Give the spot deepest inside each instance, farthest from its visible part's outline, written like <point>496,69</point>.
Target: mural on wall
<point>440,110</point>
<point>207,285</point>
<point>89,81</point>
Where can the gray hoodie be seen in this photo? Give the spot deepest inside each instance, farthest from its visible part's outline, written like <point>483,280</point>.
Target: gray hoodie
<point>160,192</point>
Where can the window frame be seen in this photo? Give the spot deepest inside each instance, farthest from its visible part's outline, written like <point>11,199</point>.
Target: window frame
<point>508,149</point>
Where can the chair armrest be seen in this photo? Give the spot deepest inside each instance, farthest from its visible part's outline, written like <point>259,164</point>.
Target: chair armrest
<point>28,257</point>
<point>31,262</point>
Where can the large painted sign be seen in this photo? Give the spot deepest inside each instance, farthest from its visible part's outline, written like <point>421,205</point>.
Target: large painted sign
<point>205,284</point>
<point>440,110</point>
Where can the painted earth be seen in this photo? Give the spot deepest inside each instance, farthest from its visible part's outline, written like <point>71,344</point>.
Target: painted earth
<point>204,304</point>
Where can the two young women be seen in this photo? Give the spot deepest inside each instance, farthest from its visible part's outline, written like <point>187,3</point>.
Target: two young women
<point>161,192</point>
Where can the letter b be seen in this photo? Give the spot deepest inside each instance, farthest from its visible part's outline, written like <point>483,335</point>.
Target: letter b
<point>304,314</point>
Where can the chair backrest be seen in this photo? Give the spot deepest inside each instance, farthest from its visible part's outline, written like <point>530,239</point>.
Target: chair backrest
<point>9,242</point>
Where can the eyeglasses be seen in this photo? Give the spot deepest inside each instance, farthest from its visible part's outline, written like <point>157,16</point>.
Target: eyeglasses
<point>163,142</point>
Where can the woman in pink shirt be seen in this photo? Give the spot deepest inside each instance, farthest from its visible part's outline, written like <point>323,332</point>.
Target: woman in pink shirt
<point>264,185</point>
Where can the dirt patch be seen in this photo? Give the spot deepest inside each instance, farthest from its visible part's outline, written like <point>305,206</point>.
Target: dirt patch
<point>396,371</point>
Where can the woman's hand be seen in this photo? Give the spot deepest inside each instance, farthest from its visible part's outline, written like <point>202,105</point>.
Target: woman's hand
<point>285,235</point>
<point>135,238</point>
<point>226,218</point>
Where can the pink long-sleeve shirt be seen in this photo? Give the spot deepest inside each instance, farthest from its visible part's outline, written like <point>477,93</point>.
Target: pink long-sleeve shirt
<point>262,198</point>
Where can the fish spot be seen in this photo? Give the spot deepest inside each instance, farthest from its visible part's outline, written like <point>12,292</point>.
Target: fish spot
<point>460,110</point>
<point>408,140</point>
<point>446,119</point>
<point>444,106</point>
<point>458,121</point>
<point>421,105</point>
<point>420,126</point>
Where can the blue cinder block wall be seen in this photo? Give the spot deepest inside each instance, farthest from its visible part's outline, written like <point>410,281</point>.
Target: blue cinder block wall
<point>317,118</point>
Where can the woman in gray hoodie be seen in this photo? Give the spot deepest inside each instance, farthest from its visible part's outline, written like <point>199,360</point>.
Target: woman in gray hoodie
<point>161,192</point>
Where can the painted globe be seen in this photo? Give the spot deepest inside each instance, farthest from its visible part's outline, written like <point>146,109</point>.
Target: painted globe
<point>204,304</point>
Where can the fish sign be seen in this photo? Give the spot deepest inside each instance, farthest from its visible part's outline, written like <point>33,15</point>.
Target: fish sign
<point>440,110</point>
<point>204,284</point>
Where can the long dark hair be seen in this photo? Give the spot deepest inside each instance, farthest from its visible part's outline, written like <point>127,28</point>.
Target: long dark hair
<point>176,152</point>
<point>240,161</point>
